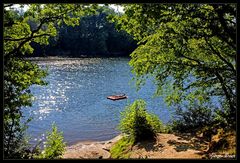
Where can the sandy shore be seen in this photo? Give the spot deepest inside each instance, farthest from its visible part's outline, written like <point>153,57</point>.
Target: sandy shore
<point>90,149</point>
<point>168,146</point>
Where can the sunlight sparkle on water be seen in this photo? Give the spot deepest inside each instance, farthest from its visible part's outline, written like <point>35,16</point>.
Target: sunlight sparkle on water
<point>75,98</point>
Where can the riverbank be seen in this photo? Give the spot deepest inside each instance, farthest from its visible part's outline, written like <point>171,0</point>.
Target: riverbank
<point>167,146</point>
<point>90,149</point>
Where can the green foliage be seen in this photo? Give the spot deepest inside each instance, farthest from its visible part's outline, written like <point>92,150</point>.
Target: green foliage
<point>18,34</point>
<point>55,146</point>
<point>19,74</point>
<point>192,119</point>
<point>15,143</point>
<point>121,150</point>
<point>193,44</point>
<point>138,123</point>
<point>94,36</point>
<point>169,128</point>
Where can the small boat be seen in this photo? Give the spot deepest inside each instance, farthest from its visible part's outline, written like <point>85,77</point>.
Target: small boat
<point>117,97</point>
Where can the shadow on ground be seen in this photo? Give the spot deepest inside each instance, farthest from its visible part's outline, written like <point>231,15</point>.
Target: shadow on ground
<point>188,141</point>
<point>149,146</point>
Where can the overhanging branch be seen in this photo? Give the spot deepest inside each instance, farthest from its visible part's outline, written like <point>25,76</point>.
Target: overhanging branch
<point>26,38</point>
<point>220,56</point>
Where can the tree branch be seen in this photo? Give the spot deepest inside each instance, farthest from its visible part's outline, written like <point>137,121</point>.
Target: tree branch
<point>44,20</point>
<point>191,59</point>
<point>230,32</point>
<point>26,38</point>
<point>220,56</point>
<point>197,83</point>
<point>228,96</point>
<point>30,37</point>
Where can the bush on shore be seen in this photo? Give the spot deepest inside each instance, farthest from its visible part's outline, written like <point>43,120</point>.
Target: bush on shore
<point>55,146</point>
<point>137,125</point>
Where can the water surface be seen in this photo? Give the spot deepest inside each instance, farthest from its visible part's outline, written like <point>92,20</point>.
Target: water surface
<point>75,98</point>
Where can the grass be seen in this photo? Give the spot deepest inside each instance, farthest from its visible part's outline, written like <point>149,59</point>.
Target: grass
<point>122,149</point>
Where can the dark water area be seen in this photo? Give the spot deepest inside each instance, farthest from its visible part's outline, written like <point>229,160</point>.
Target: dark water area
<point>76,98</point>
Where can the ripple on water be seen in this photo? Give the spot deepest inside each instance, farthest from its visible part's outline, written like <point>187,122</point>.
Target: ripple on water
<point>75,98</point>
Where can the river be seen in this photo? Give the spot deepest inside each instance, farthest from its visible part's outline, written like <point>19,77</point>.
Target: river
<point>75,98</point>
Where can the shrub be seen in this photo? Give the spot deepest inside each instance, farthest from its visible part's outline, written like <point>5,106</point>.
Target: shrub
<point>138,123</point>
<point>121,148</point>
<point>54,145</point>
<point>168,128</point>
<point>192,119</point>
<point>15,142</point>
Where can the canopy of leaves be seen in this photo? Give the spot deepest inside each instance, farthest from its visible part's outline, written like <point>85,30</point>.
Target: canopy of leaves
<point>190,49</point>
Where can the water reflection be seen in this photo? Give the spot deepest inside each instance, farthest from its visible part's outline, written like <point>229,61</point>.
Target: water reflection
<point>75,98</point>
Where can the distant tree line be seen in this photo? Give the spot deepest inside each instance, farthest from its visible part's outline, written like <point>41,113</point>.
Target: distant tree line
<point>94,36</point>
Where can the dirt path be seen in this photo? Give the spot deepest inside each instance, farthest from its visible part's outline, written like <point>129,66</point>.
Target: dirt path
<point>166,146</point>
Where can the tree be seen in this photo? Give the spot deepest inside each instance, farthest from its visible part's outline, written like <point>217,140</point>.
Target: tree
<point>94,36</point>
<point>190,49</point>
<point>20,74</point>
